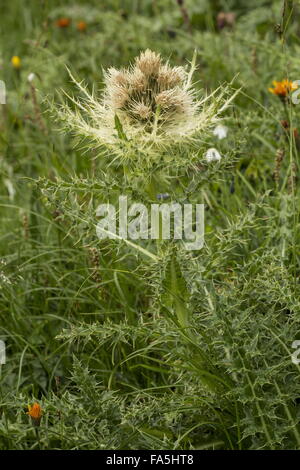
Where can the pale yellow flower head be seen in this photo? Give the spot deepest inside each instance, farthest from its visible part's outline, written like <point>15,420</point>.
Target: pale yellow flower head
<point>145,109</point>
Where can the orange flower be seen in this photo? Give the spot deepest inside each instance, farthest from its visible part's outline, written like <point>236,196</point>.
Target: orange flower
<point>63,22</point>
<point>35,413</point>
<point>81,26</point>
<point>282,88</point>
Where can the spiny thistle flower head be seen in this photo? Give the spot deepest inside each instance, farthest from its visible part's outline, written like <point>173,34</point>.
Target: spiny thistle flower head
<point>148,106</point>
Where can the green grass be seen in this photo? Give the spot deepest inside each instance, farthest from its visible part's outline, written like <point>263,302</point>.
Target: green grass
<point>176,350</point>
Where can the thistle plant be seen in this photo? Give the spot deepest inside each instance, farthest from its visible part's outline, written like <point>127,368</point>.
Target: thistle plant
<point>145,110</point>
<point>148,345</point>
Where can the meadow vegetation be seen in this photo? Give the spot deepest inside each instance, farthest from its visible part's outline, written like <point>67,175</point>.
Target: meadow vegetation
<point>159,347</point>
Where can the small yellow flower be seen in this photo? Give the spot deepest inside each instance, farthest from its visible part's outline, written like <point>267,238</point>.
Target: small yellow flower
<point>35,413</point>
<point>16,62</point>
<point>282,88</point>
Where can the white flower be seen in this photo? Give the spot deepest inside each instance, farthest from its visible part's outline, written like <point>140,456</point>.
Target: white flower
<point>10,188</point>
<point>31,77</point>
<point>221,131</point>
<point>212,155</point>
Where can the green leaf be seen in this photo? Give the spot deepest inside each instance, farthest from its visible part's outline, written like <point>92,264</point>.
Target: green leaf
<point>119,129</point>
